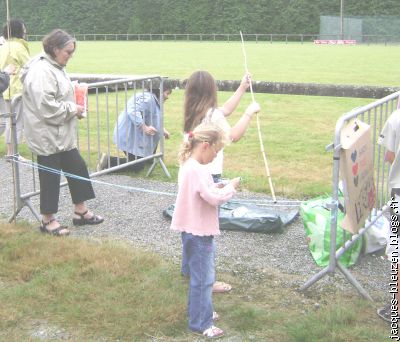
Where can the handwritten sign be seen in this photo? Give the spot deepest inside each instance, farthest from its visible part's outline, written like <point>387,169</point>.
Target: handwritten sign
<point>357,174</point>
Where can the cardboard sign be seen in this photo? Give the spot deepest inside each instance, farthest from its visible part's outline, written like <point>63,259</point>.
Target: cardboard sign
<point>357,174</point>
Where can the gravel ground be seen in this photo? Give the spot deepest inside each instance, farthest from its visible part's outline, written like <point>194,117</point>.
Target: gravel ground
<point>136,217</point>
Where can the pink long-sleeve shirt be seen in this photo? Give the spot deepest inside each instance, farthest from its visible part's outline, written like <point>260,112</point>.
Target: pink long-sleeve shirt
<point>196,207</point>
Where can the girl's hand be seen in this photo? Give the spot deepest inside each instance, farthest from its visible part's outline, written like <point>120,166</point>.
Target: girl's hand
<point>252,109</point>
<point>235,182</point>
<point>245,82</point>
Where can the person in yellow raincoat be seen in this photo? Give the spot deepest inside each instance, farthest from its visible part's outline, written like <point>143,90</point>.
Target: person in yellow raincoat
<point>14,52</point>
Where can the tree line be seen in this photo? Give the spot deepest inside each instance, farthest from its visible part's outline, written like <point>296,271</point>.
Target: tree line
<point>187,16</point>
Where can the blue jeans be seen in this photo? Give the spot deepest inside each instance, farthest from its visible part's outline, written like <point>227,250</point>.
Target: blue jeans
<point>185,265</point>
<point>200,252</point>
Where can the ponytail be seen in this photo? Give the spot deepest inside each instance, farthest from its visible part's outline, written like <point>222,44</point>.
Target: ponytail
<point>206,132</point>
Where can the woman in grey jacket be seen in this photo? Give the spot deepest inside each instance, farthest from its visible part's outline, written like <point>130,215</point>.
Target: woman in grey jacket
<point>51,114</point>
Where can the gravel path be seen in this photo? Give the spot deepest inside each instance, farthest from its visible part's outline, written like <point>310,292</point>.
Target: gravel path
<point>136,217</point>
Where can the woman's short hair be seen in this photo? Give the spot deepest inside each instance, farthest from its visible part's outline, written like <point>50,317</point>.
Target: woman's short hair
<point>57,39</point>
<point>16,28</point>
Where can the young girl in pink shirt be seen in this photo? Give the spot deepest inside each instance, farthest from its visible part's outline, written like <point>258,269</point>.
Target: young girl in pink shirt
<point>196,217</point>
<point>201,107</point>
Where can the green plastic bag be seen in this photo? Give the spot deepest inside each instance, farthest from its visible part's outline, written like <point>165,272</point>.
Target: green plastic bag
<point>317,224</point>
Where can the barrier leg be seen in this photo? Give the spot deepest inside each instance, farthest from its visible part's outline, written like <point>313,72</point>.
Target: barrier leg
<point>164,168</point>
<point>354,282</point>
<point>20,202</point>
<point>15,214</point>
<point>21,205</point>
<point>153,165</point>
<point>315,278</point>
<point>151,169</point>
<point>28,203</point>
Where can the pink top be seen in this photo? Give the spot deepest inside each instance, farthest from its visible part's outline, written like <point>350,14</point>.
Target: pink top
<point>196,208</point>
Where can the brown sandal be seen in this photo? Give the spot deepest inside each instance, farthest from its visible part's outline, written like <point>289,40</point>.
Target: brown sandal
<point>82,220</point>
<point>55,231</point>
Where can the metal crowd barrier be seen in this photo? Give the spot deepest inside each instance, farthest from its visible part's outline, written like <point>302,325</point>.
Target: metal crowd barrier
<point>375,114</point>
<point>106,100</point>
<point>118,92</point>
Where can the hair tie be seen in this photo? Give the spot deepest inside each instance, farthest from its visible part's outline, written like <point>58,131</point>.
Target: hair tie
<point>188,136</point>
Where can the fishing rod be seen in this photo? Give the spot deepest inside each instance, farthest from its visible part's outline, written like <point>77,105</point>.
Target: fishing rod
<point>258,125</point>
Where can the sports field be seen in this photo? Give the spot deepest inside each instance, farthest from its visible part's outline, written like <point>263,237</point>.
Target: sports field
<point>295,129</point>
<point>279,62</point>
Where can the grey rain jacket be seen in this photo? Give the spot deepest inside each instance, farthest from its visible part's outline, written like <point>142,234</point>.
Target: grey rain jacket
<point>49,106</point>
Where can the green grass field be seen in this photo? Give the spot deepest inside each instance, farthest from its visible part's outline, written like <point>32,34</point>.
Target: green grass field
<point>278,62</point>
<point>295,129</point>
<point>80,290</point>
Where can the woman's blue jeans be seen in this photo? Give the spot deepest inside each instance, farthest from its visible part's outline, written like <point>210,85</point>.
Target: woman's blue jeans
<point>200,252</point>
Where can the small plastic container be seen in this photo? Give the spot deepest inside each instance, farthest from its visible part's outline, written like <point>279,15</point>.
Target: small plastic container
<point>81,91</point>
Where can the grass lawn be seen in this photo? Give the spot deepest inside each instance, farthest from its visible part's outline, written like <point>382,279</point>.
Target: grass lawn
<point>278,62</point>
<point>77,290</point>
<point>295,129</point>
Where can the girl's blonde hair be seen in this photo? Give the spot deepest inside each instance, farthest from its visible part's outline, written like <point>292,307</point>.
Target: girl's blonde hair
<point>200,96</point>
<point>205,132</point>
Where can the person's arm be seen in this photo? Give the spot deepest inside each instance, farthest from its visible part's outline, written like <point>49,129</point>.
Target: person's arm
<point>215,196</point>
<point>238,130</point>
<point>387,139</point>
<point>135,110</point>
<point>22,56</point>
<point>231,104</point>
<point>138,110</point>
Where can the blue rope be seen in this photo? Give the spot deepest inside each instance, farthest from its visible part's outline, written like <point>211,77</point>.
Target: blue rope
<point>70,175</point>
<point>125,187</point>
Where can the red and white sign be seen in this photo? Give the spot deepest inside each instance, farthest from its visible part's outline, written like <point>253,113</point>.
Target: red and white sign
<point>335,41</point>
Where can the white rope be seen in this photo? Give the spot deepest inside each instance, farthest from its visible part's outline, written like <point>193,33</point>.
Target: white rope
<point>258,125</point>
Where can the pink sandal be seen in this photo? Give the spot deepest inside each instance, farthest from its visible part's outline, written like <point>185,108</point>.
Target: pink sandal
<point>213,332</point>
